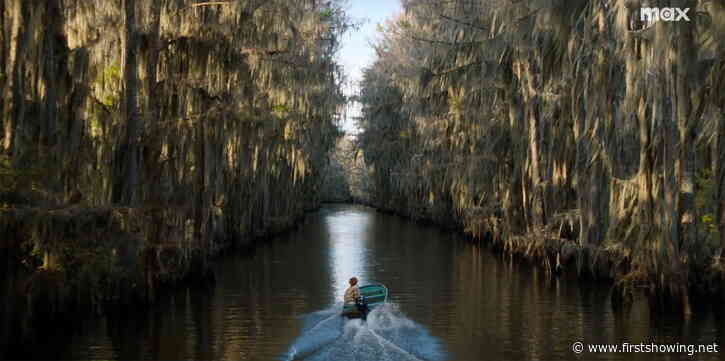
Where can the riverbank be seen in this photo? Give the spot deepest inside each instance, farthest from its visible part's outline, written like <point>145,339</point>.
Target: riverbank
<point>559,255</point>
<point>77,261</point>
<point>472,303</point>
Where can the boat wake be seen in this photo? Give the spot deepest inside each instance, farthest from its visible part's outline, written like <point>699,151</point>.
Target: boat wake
<point>387,335</point>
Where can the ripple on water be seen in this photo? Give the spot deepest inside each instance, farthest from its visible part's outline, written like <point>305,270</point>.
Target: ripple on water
<point>387,335</point>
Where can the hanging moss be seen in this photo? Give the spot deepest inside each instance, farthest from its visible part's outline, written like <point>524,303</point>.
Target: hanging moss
<point>143,137</point>
<point>559,130</point>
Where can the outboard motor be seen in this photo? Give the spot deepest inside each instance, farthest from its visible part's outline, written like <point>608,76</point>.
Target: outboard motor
<point>362,306</point>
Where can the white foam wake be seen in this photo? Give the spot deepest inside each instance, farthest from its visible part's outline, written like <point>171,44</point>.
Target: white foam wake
<point>386,335</point>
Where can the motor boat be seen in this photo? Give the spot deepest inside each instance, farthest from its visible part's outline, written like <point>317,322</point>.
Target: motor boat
<point>371,296</point>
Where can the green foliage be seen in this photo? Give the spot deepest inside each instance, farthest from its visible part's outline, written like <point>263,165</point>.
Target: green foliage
<point>230,116</point>
<point>466,119</point>
<point>17,183</point>
<point>7,174</point>
<point>281,110</point>
<point>109,81</point>
<point>706,203</point>
<point>327,14</point>
<point>112,73</point>
<point>704,199</point>
<point>108,96</point>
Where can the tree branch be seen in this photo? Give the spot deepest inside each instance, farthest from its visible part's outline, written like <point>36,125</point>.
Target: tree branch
<point>210,3</point>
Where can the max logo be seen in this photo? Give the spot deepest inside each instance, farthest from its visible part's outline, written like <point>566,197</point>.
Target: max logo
<point>652,15</point>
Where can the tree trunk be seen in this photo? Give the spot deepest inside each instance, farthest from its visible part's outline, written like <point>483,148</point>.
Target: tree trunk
<point>685,166</point>
<point>535,144</point>
<point>3,67</point>
<point>514,201</point>
<point>665,139</point>
<point>13,86</point>
<point>153,112</point>
<point>200,179</point>
<point>720,178</point>
<point>54,42</point>
<point>127,194</point>
<point>718,158</point>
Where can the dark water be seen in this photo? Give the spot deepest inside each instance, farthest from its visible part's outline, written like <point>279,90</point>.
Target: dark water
<point>450,300</point>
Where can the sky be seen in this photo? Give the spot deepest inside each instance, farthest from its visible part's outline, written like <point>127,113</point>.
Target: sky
<point>356,52</point>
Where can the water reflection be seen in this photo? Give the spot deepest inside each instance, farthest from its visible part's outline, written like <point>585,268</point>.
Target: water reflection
<point>461,300</point>
<point>348,233</point>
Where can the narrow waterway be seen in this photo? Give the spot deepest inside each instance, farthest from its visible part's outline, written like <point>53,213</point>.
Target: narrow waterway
<point>450,300</point>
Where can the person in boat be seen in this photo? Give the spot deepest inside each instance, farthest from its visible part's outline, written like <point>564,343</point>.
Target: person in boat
<point>352,295</point>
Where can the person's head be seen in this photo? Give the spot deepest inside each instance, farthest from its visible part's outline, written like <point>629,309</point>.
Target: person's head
<point>353,281</point>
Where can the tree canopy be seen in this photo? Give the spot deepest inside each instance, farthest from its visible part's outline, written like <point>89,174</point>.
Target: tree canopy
<point>198,123</point>
<point>565,125</point>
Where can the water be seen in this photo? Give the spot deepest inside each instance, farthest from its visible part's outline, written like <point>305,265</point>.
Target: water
<point>386,335</point>
<point>449,300</point>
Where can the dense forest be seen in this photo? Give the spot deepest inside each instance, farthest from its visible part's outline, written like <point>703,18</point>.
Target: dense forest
<point>141,137</point>
<point>567,131</point>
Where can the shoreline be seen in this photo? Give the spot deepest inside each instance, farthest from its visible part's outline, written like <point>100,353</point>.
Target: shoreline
<point>565,258</point>
<point>48,297</point>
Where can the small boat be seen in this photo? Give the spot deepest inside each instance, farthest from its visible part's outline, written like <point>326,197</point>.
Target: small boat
<point>371,295</point>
